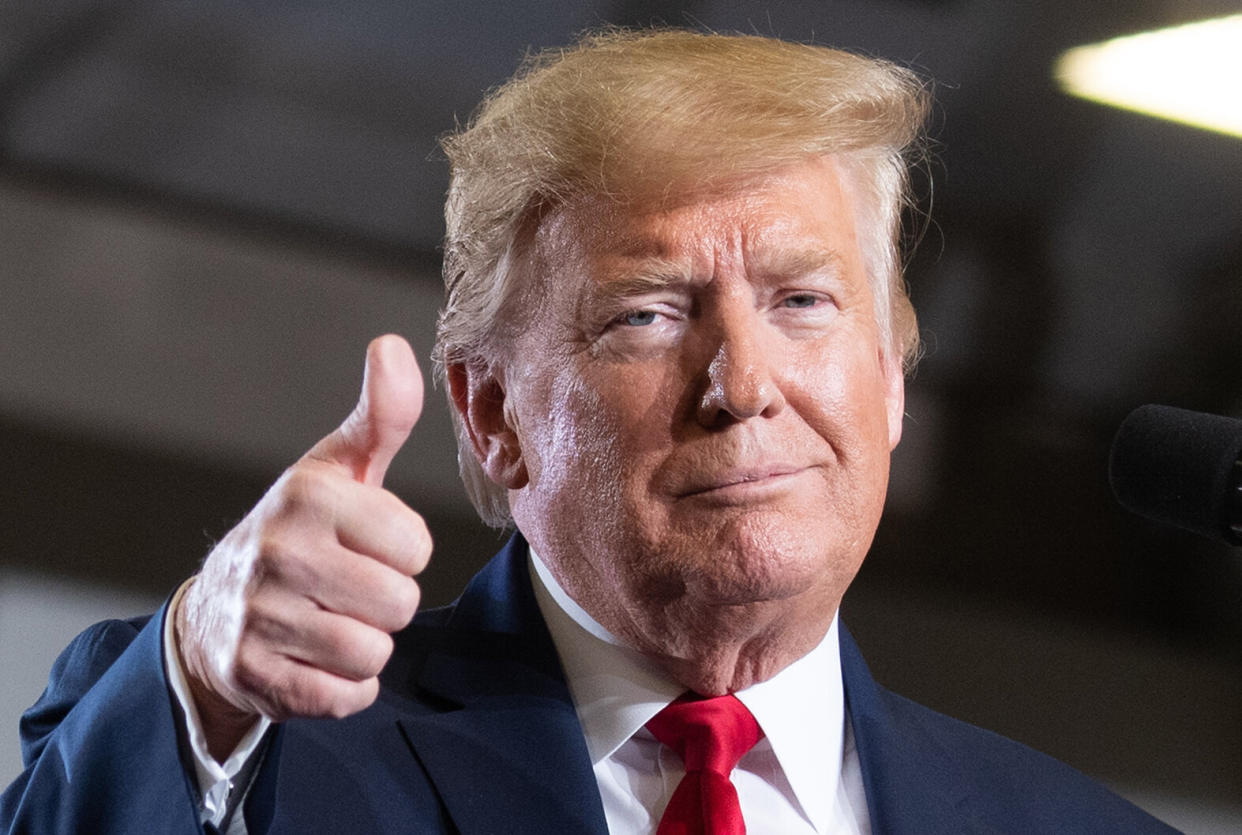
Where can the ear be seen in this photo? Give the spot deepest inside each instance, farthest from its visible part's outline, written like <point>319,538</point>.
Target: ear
<point>894,395</point>
<point>479,398</point>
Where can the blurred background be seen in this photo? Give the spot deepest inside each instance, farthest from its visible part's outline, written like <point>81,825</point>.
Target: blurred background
<point>207,209</point>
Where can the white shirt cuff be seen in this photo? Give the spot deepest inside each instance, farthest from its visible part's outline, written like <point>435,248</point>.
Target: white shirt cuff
<point>215,779</point>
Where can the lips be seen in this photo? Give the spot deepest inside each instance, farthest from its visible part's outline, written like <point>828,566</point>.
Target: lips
<point>743,481</point>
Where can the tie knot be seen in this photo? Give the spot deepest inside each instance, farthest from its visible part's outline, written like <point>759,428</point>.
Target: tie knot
<point>710,734</point>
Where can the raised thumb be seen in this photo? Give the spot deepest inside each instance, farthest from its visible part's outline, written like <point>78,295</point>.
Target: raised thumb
<point>388,408</point>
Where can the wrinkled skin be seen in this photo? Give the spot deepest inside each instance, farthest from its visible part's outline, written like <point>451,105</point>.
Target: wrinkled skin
<point>292,611</point>
<point>696,422</point>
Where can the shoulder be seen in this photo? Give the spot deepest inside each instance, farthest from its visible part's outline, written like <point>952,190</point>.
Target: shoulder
<point>1007,786</point>
<point>951,776</point>
<point>76,670</point>
<point>96,648</point>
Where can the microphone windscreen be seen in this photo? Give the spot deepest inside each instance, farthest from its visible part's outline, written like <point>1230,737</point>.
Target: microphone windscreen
<point>1178,467</point>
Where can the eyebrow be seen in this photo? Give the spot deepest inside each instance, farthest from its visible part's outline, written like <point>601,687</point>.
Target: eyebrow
<point>649,276</point>
<point>796,263</point>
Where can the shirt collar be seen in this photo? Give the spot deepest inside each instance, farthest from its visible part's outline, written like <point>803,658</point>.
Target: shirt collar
<point>616,690</point>
<point>802,713</point>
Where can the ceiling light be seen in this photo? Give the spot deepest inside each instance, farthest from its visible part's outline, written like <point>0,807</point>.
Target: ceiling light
<point>1190,73</point>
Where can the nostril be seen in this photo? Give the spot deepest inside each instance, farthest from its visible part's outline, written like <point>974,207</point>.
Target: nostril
<point>738,390</point>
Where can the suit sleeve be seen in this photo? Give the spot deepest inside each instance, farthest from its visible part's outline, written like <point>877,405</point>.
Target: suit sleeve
<point>100,747</point>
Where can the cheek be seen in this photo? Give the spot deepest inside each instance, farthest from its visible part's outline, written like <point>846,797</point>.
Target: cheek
<point>581,434</point>
<point>637,405</point>
<point>562,435</point>
<point>845,399</point>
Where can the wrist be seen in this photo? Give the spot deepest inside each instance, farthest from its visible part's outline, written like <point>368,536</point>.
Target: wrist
<point>222,722</point>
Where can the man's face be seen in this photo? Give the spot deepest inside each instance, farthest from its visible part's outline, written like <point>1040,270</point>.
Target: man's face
<point>701,408</point>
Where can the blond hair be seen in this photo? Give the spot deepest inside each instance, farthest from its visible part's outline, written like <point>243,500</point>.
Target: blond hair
<point>641,115</point>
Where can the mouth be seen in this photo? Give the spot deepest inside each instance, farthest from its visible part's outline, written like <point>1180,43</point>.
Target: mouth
<point>747,485</point>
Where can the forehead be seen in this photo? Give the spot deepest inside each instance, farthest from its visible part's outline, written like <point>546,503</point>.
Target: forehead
<point>795,217</point>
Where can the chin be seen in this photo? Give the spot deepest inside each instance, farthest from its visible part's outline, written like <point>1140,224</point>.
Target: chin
<point>757,560</point>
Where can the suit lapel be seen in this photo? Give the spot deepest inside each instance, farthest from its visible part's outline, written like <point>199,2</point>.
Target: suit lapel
<point>912,784</point>
<point>506,752</point>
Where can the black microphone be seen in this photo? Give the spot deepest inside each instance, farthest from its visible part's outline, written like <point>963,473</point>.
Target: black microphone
<point>1181,468</point>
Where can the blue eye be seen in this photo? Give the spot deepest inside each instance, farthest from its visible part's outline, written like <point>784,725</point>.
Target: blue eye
<point>639,318</point>
<point>800,300</point>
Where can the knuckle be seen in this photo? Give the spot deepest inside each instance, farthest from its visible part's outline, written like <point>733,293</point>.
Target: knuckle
<point>273,555</point>
<point>304,693</point>
<point>327,697</point>
<point>296,695</point>
<point>309,692</point>
<point>394,609</point>
<point>376,655</point>
<point>350,651</point>
<point>340,709</point>
<point>405,533</point>
<point>363,654</point>
<point>422,544</point>
<point>353,698</point>
<point>304,489</point>
<point>409,596</point>
<point>286,559</point>
<point>410,530</point>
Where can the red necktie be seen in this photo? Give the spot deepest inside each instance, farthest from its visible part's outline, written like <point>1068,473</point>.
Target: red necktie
<point>710,736</point>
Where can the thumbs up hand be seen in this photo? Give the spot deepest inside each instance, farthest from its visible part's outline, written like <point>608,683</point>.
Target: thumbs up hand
<point>292,612</point>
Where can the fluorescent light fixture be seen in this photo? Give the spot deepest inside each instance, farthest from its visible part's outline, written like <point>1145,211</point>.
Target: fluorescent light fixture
<point>1190,73</point>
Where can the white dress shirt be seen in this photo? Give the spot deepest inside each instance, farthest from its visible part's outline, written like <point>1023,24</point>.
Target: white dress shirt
<point>802,777</point>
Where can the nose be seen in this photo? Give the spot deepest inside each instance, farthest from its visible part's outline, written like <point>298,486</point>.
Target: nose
<point>740,379</point>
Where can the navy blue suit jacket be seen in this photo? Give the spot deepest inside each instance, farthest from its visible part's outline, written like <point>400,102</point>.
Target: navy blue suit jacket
<point>475,732</point>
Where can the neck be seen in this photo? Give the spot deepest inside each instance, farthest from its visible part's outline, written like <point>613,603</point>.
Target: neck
<point>710,650</point>
<point>713,651</point>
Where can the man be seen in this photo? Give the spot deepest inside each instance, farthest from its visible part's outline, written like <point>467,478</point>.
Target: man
<point>673,338</point>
